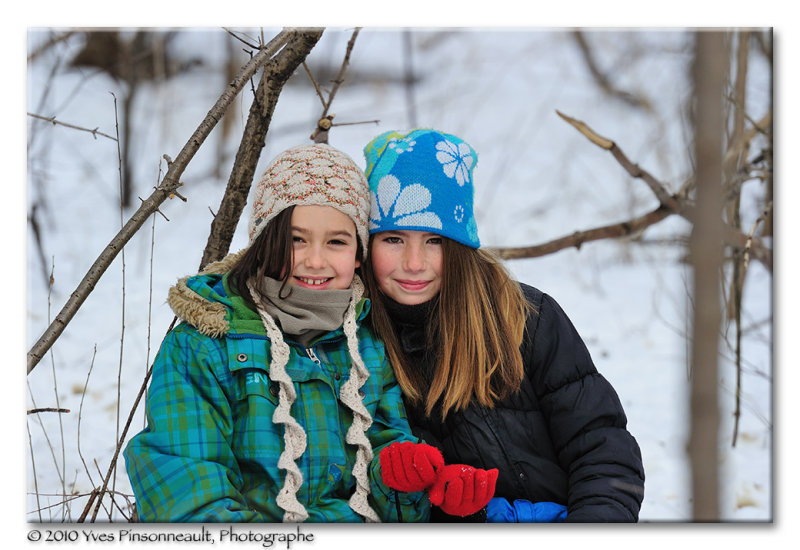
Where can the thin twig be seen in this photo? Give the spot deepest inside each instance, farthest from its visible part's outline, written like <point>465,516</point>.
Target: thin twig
<point>354,123</point>
<point>634,170</point>
<point>48,409</point>
<point>324,123</point>
<point>58,38</point>
<point>749,243</point>
<point>80,415</point>
<point>52,119</point>
<point>121,440</point>
<point>158,211</point>
<point>150,291</point>
<point>315,84</point>
<point>677,203</point>
<point>577,239</point>
<point>123,298</point>
<point>55,388</point>
<point>340,77</point>
<point>33,465</point>
<point>240,39</point>
<point>602,79</point>
<point>46,435</point>
<point>168,185</point>
<point>69,498</point>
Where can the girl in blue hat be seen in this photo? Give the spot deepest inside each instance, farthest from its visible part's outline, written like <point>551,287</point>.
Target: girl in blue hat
<point>494,375</point>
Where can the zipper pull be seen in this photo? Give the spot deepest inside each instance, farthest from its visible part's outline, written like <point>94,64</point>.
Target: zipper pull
<point>313,356</point>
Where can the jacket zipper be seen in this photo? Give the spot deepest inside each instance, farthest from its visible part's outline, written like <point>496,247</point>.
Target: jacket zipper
<point>313,356</point>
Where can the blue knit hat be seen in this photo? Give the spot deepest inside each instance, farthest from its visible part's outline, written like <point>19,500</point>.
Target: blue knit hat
<point>422,181</point>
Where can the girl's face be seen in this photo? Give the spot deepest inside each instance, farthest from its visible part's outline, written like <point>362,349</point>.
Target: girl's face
<point>324,246</point>
<point>407,265</point>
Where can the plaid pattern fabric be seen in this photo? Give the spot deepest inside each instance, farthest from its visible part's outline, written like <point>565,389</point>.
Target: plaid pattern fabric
<point>210,449</point>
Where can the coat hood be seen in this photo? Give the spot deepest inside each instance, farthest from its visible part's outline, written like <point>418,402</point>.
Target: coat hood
<point>200,300</point>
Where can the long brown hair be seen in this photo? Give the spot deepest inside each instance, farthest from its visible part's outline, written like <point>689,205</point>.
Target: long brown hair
<point>475,331</point>
<point>270,255</point>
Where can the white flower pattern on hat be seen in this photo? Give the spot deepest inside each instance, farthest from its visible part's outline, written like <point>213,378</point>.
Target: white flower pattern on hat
<point>458,213</point>
<point>456,160</point>
<point>400,146</point>
<point>408,204</point>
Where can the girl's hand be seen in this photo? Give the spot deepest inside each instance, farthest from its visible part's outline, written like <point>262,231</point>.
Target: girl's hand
<point>462,490</point>
<point>409,467</point>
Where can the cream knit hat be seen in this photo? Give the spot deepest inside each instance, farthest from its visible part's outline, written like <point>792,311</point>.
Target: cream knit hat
<point>315,174</point>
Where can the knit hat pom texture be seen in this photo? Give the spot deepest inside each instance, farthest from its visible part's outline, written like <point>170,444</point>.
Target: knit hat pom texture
<point>315,174</point>
<point>422,181</point>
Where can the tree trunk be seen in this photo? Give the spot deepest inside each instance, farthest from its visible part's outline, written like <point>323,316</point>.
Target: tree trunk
<point>706,250</point>
<point>275,75</point>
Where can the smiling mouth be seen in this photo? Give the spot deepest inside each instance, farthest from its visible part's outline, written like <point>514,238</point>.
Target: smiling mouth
<point>413,285</point>
<point>307,281</point>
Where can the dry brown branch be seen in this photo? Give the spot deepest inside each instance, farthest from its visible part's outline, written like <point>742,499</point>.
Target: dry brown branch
<point>616,230</point>
<point>340,77</point>
<point>602,79</point>
<point>732,163</point>
<point>274,76</point>
<point>241,39</point>
<point>314,83</point>
<point>48,409</point>
<point>54,122</point>
<point>170,182</point>
<point>675,204</point>
<point>634,170</point>
<point>56,39</point>
<point>113,464</point>
<point>320,134</point>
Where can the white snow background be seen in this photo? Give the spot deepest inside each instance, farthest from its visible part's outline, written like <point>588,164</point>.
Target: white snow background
<point>537,179</point>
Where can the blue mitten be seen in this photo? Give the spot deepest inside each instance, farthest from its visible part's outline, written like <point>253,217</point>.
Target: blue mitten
<point>523,511</point>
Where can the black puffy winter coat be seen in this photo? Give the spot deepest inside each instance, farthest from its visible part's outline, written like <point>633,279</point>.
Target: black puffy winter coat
<point>562,438</point>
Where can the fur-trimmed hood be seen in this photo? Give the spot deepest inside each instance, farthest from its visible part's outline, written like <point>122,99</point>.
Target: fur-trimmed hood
<point>201,306</point>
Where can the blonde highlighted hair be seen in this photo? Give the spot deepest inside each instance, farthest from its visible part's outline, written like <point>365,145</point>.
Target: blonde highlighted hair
<point>475,332</point>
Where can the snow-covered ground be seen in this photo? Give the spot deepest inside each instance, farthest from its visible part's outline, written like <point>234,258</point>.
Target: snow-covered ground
<point>537,179</point>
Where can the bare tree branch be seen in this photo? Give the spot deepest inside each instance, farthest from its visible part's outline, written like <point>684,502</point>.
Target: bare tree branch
<point>602,78</point>
<point>320,134</point>
<point>670,204</point>
<point>48,409</point>
<point>658,189</point>
<point>170,182</point>
<point>616,230</point>
<point>340,77</point>
<point>53,120</point>
<point>274,76</point>
<point>56,39</point>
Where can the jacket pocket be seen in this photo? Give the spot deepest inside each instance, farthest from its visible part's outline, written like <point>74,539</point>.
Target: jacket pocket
<point>256,438</point>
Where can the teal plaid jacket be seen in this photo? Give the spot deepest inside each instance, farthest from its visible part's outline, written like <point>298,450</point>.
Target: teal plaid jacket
<point>209,450</point>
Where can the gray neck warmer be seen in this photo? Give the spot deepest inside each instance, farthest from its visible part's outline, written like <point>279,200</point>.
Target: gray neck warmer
<point>305,313</point>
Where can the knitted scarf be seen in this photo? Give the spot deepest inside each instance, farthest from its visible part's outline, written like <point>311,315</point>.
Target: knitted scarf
<point>295,437</point>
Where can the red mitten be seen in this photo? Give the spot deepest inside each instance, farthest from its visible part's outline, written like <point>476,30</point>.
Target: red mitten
<point>462,490</point>
<point>409,467</point>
